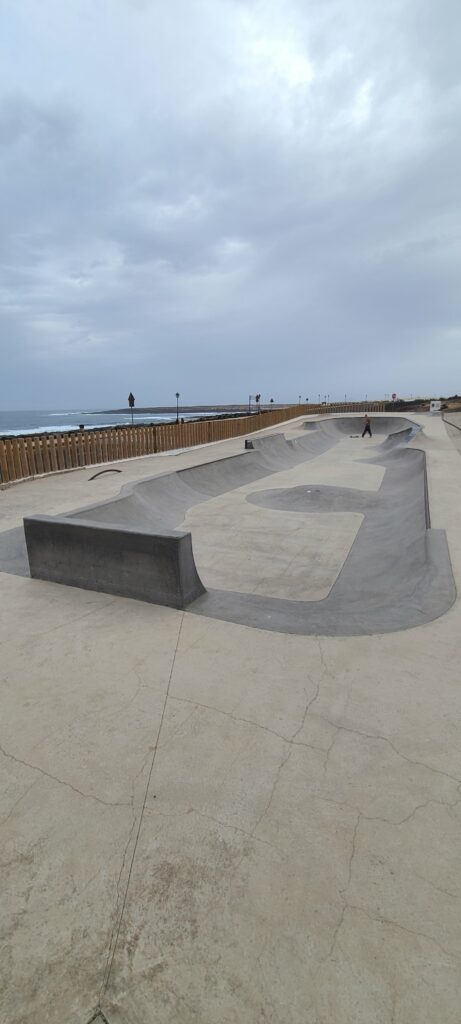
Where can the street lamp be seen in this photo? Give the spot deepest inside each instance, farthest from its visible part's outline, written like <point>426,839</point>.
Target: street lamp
<point>177,407</point>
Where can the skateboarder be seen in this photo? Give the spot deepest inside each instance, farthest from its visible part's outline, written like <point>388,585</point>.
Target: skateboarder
<point>367,427</point>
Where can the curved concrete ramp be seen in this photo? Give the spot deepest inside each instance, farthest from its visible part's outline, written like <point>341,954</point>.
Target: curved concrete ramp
<point>351,426</point>
<point>394,571</point>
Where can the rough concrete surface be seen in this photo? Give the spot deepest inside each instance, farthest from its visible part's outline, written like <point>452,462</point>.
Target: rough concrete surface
<point>207,822</point>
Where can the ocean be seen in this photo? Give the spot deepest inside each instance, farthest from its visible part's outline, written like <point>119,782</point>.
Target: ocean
<point>12,424</point>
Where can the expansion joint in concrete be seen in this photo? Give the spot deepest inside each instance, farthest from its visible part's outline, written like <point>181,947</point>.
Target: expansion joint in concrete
<point>115,934</point>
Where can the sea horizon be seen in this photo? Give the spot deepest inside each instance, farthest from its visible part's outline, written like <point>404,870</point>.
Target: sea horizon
<point>14,423</point>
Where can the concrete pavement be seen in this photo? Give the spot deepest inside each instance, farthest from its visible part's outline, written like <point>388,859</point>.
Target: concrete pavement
<point>203,822</point>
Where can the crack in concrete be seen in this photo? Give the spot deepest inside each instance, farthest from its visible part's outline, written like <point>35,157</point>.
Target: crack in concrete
<point>98,1018</point>
<point>309,704</point>
<point>353,852</point>
<point>336,933</point>
<point>62,782</point>
<point>438,888</point>
<point>419,807</point>
<point>249,721</point>
<point>329,750</point>
<point>216,821</point>
<point>236,828</point>
<point>325,670</point>
<point>392,924</point>
<point>343,892</point>
<point>384,739</point>
<point>99,606</point>
<point>18,801</point>
<point>338,728</point>
<point>273,789</point>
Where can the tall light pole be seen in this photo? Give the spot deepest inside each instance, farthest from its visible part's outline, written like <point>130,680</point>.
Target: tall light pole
<point>177,407</point>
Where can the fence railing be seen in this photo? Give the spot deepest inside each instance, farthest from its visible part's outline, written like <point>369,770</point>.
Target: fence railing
<point>35,454</point>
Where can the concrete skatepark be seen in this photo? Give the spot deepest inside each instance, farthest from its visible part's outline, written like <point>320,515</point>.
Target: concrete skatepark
<point>241,810</point>
<point>395,571</point>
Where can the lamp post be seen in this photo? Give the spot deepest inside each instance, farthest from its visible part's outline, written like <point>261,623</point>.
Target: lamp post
<point>177,407</point>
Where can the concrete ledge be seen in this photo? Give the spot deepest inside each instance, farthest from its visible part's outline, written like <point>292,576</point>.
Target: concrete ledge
<point>158,568</point>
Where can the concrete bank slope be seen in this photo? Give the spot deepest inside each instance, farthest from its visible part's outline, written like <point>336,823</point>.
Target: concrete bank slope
<point>202,821</point>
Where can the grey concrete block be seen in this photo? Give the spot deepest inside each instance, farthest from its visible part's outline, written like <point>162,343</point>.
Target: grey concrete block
<point>158,568</point>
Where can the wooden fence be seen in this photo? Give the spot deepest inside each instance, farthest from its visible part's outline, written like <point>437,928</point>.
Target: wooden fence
<point>35,454</point>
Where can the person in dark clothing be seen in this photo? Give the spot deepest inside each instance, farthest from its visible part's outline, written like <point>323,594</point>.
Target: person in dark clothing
<point>367,427</point>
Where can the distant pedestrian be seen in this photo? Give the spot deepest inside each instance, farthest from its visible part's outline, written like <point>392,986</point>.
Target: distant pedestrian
<point>367,427</point>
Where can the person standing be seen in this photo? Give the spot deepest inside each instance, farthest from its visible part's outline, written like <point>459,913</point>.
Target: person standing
<point>367,427</point>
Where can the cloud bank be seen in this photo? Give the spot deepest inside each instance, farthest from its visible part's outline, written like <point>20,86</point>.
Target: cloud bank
<point>228,196</point>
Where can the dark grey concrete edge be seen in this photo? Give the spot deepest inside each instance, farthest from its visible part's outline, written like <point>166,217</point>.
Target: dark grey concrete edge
<point>158,568</point>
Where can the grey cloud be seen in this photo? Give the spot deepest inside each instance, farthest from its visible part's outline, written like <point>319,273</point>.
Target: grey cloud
<point>225,194</point>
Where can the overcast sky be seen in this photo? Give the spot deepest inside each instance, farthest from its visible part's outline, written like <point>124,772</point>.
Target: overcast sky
<point>220,197</point>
